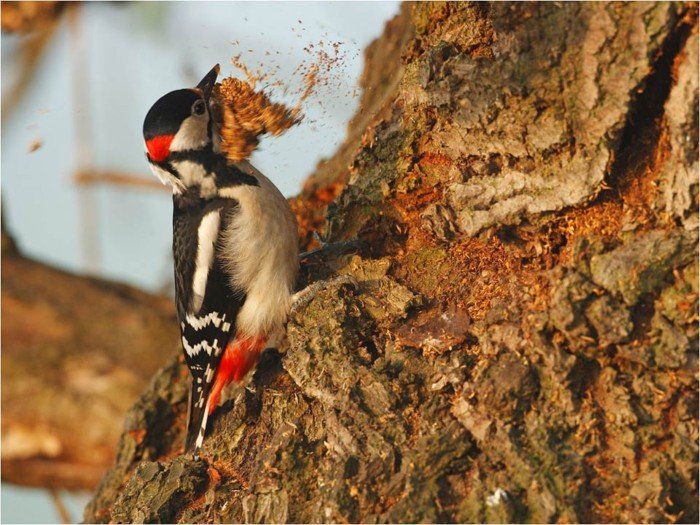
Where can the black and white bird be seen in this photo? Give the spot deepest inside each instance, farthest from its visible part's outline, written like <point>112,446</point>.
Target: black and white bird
<point>235,247</point>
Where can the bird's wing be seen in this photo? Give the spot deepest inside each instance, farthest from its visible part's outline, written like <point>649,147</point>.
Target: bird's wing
<point>207,305</point>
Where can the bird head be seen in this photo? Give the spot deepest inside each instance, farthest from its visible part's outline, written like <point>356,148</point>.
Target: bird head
<point>179,121</point>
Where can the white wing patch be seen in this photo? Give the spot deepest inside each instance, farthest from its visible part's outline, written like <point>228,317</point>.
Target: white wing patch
<point>207,234</point>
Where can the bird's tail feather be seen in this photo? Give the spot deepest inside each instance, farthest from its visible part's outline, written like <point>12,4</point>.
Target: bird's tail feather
<point>238,359</point>
<point>197,419</point>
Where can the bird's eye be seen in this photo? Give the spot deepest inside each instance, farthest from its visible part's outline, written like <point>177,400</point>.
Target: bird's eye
<point>199,107</point>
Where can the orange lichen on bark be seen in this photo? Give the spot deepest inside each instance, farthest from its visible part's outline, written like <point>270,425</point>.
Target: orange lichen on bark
<point>310,211</point>
<point>471,273</point>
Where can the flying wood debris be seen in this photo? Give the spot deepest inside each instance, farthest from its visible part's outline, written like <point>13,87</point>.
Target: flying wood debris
<point>35,145</point>
<point>245,113</point>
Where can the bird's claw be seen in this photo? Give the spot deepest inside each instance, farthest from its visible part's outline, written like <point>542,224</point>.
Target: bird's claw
<point>303,297</point>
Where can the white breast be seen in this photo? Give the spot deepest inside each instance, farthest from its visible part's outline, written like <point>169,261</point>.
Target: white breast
<point>260,249</point>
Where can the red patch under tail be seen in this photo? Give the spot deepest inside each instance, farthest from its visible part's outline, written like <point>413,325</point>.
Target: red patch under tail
<point>239,358</point>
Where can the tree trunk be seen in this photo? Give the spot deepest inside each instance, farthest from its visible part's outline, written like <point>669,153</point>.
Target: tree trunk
<point>522,341</point>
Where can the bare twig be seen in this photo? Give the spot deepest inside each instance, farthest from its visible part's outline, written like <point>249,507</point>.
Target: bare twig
<point>87,206</point>
<point>30,52</point>
<point>116,178</point>
<point>63,513</point>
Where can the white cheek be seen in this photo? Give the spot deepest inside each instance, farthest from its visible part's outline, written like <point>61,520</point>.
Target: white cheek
<point>192,133</point>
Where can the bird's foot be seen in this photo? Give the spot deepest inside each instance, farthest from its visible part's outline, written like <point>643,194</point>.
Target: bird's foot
<point>303,297</point>
<point>328,250</point>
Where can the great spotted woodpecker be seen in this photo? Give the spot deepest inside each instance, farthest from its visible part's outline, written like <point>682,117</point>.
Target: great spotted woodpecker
<point>235,247</point>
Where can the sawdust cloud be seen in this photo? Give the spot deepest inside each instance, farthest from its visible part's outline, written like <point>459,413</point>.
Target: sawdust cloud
<point>245,111</point>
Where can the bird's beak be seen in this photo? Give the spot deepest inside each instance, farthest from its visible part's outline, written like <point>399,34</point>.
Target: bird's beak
<point>207,83</point>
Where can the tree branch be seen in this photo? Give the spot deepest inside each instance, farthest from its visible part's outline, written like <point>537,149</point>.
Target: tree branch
<point>89,177</point>
<point>77,351</point>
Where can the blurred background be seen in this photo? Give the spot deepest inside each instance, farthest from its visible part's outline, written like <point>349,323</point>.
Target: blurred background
<point>76,190</point>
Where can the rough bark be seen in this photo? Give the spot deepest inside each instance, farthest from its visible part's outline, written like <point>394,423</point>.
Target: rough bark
<point>76,354</point>
<point>521,343</point>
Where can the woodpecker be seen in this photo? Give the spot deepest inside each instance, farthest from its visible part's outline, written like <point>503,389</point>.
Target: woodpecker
<point>235,248</point>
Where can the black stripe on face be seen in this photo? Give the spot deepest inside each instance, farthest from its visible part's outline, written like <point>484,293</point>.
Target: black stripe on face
<point>232,176</point>
<point>168,112</point>
<point>227,175</point>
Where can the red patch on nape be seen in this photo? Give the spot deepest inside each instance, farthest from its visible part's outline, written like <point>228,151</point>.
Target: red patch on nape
<point>159,147</point>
